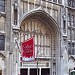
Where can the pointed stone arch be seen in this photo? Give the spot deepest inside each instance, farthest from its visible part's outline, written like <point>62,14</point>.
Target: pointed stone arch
<point>41,15</point>
<point>53,27</point>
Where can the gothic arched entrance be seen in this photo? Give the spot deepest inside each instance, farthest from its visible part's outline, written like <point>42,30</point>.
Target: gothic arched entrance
<point>45,31</point>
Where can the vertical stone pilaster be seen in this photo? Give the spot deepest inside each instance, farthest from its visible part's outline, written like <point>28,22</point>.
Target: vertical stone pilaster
<point>8,36</point>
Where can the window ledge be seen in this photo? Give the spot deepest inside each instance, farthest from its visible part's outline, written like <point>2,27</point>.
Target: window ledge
<point>42,57</point>
<point>72,56</point>
<point>2,14</point>
<point>64,35</point>
<point>70,7</point>
<point>2,32</point>
<point>15,28</point>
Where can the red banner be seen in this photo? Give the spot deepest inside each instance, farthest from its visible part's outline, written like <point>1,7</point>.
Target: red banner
<point>28,50</point>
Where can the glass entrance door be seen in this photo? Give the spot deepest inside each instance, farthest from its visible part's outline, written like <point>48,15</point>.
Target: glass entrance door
<point>34,71</point>
<point>24,71</point>
<point>45,71</point>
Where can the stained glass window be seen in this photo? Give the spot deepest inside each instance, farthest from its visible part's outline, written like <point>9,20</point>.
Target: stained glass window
<point>41,37</point>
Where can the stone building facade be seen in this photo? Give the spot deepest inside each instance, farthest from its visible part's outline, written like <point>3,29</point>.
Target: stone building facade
<point>51,22</point>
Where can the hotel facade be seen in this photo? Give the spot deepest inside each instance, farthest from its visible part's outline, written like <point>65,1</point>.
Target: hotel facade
<point>51,22</point>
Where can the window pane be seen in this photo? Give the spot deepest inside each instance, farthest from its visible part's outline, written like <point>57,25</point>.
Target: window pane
<point>70,3</point>
<point>1,8</point>
<point>64,26</point>
<point>31,6</point>
<point>68,34</point>
<point>1,3</point>
<point>2,42</point>
<point>72,34</point>
<point>73,3</point>
<point>69,51</point>
<point>15,17</point>
<point>59,1</point>
<point>54,0</point>
<point>72,44</point>
<point>72,18</point>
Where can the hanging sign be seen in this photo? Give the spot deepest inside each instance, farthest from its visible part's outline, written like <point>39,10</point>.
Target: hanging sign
<point>28,50</point>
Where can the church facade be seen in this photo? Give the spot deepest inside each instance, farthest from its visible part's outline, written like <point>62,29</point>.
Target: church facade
<point>51,22</point>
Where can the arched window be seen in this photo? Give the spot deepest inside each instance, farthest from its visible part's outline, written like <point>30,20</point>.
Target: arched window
<point>41,34</point>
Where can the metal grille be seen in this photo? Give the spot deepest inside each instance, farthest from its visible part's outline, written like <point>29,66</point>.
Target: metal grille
<point>41,34</point>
